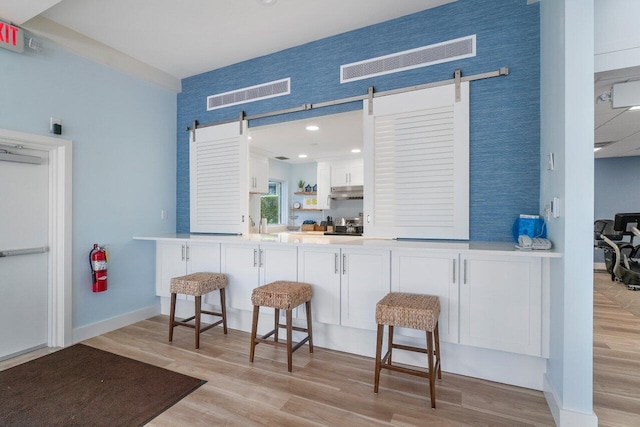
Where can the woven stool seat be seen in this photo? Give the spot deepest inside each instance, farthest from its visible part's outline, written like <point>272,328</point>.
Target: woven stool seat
<point>198,284</point>
<point>282,295</point>
<point>416,311</point>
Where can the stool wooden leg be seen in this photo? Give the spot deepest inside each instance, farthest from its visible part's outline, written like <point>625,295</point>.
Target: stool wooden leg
<point>172,315</point>
<point>436,337</point>
<point>289,340</point>
<point>432,376</point>
<point>276,324</point>
<point>197,320</point>
<point>224,310</point>
<point>390,344</point>
<point>378,356</point>
<point>308,307</point>
<point>254,329</point>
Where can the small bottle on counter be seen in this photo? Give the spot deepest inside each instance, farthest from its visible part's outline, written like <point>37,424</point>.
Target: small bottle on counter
<point>330,227</point>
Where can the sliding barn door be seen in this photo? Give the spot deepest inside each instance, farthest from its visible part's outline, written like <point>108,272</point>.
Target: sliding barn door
<point>417,164</point>
<point>219,195</point>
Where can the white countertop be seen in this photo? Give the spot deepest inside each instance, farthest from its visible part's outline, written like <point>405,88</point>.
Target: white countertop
<point>317,238</point>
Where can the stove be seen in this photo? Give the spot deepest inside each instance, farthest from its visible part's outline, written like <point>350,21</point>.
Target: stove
<point>346,230</point>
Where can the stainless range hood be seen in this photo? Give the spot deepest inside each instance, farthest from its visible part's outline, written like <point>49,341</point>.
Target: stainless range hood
<point>353,192</point>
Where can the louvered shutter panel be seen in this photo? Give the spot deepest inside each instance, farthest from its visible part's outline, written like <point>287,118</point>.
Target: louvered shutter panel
<point>417,148</point>
<point>219,197</point>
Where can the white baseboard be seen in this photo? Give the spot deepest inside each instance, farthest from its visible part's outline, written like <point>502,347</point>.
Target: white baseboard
<point>566,417</point>
<point>99,328</point>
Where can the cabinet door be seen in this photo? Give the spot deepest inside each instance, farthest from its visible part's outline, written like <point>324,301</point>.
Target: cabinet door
<point>320,267</point>
<point>339,174</point>
<point>204,257</point>
<point>170,262</point>
<point>433,274</point>
<point>366,279</point>
<point>501,303</point>
<point>324,185</point>
<point>278,262</point>
<point>356,172</point>
<point>240,264</point>
<point>258,173</point>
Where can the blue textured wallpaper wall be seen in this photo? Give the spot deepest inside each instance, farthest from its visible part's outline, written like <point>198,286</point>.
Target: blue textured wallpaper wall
<point>505,116</point>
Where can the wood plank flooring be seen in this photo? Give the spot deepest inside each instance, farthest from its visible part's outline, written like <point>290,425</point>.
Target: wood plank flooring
<point>336,389</point>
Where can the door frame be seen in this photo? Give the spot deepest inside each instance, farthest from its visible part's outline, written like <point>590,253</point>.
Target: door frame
<point>59,256</point>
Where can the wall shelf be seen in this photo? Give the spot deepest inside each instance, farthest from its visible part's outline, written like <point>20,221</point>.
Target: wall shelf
<point>307,210</point>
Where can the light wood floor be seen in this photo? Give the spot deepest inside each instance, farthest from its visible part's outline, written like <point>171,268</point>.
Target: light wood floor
<point>333,388</point>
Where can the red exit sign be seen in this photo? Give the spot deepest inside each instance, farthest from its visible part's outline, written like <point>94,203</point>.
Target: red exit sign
<point>11,37</point>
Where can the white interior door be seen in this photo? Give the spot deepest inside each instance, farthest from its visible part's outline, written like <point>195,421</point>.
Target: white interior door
<point>24,291</point>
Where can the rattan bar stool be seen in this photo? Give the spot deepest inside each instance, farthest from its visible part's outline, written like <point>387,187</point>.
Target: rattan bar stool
<point>197,284</point>
<point>281,295</point>
<point>414,311</point>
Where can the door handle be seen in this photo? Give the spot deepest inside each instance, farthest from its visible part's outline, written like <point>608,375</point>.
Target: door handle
<point>187,246</point>
<point>335,263</point>
<point>182,252</point>
<point>255,259</point>
<point>261,257</point>
<point>464,267</point>
<point>344,264</point>
<point>454,271</point>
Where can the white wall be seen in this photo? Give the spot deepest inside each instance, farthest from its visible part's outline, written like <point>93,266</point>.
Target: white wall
<point>567,131</point>
<point>124,165</point>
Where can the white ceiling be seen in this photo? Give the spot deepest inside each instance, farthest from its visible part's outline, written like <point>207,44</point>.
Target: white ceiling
<point>616,129</point>
<point>337,135</point>
<point>188,37</point>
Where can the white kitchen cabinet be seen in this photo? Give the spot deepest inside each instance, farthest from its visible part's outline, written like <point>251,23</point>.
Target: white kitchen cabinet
<point>178,258</point>
<point>431,273</point>
<point>347,172</point>
<point>323,180</point>
<point>366,279</point>
<point>320,267</point>
<point>258,173</point>
<point>248,266</point>
<point>501,303</point>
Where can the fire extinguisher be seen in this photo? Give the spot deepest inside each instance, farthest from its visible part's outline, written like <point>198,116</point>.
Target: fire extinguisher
<point>98,262</point>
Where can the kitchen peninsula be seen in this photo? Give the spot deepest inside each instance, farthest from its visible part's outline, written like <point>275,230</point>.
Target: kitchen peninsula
<point>494,321</point>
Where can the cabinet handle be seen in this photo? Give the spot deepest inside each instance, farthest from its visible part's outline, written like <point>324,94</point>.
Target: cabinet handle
<point>464,267</point>
<point>187,246</point>
<point>335,263</point>
<point>349,177</point>
<point>454,271</point>
<point>344,264</point>
<point>255,259</point>
<point>183,252</point>
<point>261,257</point>
<point>346,177</point>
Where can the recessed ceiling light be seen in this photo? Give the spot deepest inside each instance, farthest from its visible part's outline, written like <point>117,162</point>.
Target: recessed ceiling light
<point>250,137</point>
<point>634,108</point>
<point>302,156</point>
<point>356,150</point>
<point>312,128</point>
<point>596,149</point>
<point>267,2</point>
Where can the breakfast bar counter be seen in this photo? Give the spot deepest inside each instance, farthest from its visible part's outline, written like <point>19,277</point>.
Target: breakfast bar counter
<point>495,298</point>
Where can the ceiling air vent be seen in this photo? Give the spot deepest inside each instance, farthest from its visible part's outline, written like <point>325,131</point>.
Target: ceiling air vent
<point>282,158</point>
<point>451,50</point>
<point>249,94</point>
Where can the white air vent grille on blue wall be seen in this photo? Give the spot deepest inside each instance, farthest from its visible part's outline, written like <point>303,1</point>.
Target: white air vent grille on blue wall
<point>249,94</point>
<point>451,50</point>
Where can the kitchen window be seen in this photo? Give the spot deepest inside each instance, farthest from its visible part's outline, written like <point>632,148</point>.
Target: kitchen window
<point>271,204</point>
